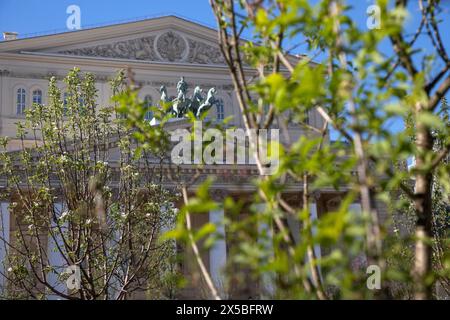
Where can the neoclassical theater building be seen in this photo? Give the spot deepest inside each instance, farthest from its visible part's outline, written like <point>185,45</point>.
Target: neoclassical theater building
<point>159,51</point>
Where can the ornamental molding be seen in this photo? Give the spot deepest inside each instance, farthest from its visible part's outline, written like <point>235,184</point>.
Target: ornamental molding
<point>5,73</point>
<point>203,53</point>
<point>99,78</point>
<point>134,49</point>
<point>226,89</point>
<point>333,203</point>
<point>169,46</point>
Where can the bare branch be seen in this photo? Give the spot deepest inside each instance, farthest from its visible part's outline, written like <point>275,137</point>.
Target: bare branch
<point>198,258</point>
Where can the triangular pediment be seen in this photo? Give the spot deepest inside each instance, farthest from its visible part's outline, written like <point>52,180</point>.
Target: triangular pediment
<point>167,39</point>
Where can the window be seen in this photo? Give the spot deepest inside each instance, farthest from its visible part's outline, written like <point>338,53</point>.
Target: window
<point>37,96</point>
<point>21,101</point>
<point>82,106</point>
<point>306,117</point>
<point>65,108</point>
<point>265,111</point>
<point>220,110</point>
<point>147,104</point>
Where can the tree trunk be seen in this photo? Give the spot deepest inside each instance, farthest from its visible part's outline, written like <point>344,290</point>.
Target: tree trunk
<point>423,208</point>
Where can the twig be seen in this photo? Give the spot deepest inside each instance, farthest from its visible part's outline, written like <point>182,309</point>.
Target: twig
<point>198,258</point>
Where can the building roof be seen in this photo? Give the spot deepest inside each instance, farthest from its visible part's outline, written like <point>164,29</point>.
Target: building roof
<point>108,31</point>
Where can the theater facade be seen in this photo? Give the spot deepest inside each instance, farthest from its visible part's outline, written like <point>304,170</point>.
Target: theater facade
<point>158,51</point>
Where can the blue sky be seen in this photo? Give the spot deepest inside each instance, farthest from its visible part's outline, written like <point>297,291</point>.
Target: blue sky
<point>37,17</point>
<point>29,17</point>
<point>49,16</point>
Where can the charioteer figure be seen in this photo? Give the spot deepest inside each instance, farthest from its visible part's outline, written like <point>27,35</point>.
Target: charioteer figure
<point>181,105</point>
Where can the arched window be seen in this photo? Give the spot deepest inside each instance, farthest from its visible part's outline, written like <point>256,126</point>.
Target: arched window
<point>147,104</point>
<point>220,110</point>
<point>37,96</point>
<point>21,101</point>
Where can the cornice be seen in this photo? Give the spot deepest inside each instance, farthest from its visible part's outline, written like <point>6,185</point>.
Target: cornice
<point>111,63</point>
<point>106,77</point>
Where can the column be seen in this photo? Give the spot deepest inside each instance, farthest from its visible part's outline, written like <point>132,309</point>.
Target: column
<point>360,261</point>
<point>314,217</point>
<point>317,250</point>
<point>355,207</point>
<point>267,279</point>
<point>218,252</point>
<point>55,258</point>
<point>4,234</point>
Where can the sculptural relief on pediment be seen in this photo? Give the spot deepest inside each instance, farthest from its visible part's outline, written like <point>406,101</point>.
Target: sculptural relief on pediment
<point>136,49</point>
<point>203,53</point>
<point>169,46</point>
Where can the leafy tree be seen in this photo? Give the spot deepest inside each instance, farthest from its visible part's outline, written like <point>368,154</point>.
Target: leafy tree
<point>359,91</point>
<point>440,223</point>
<point>82,193</point>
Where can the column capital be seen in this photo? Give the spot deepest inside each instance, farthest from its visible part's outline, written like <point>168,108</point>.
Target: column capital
<point>218,194</point>
<point>315,195</point>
